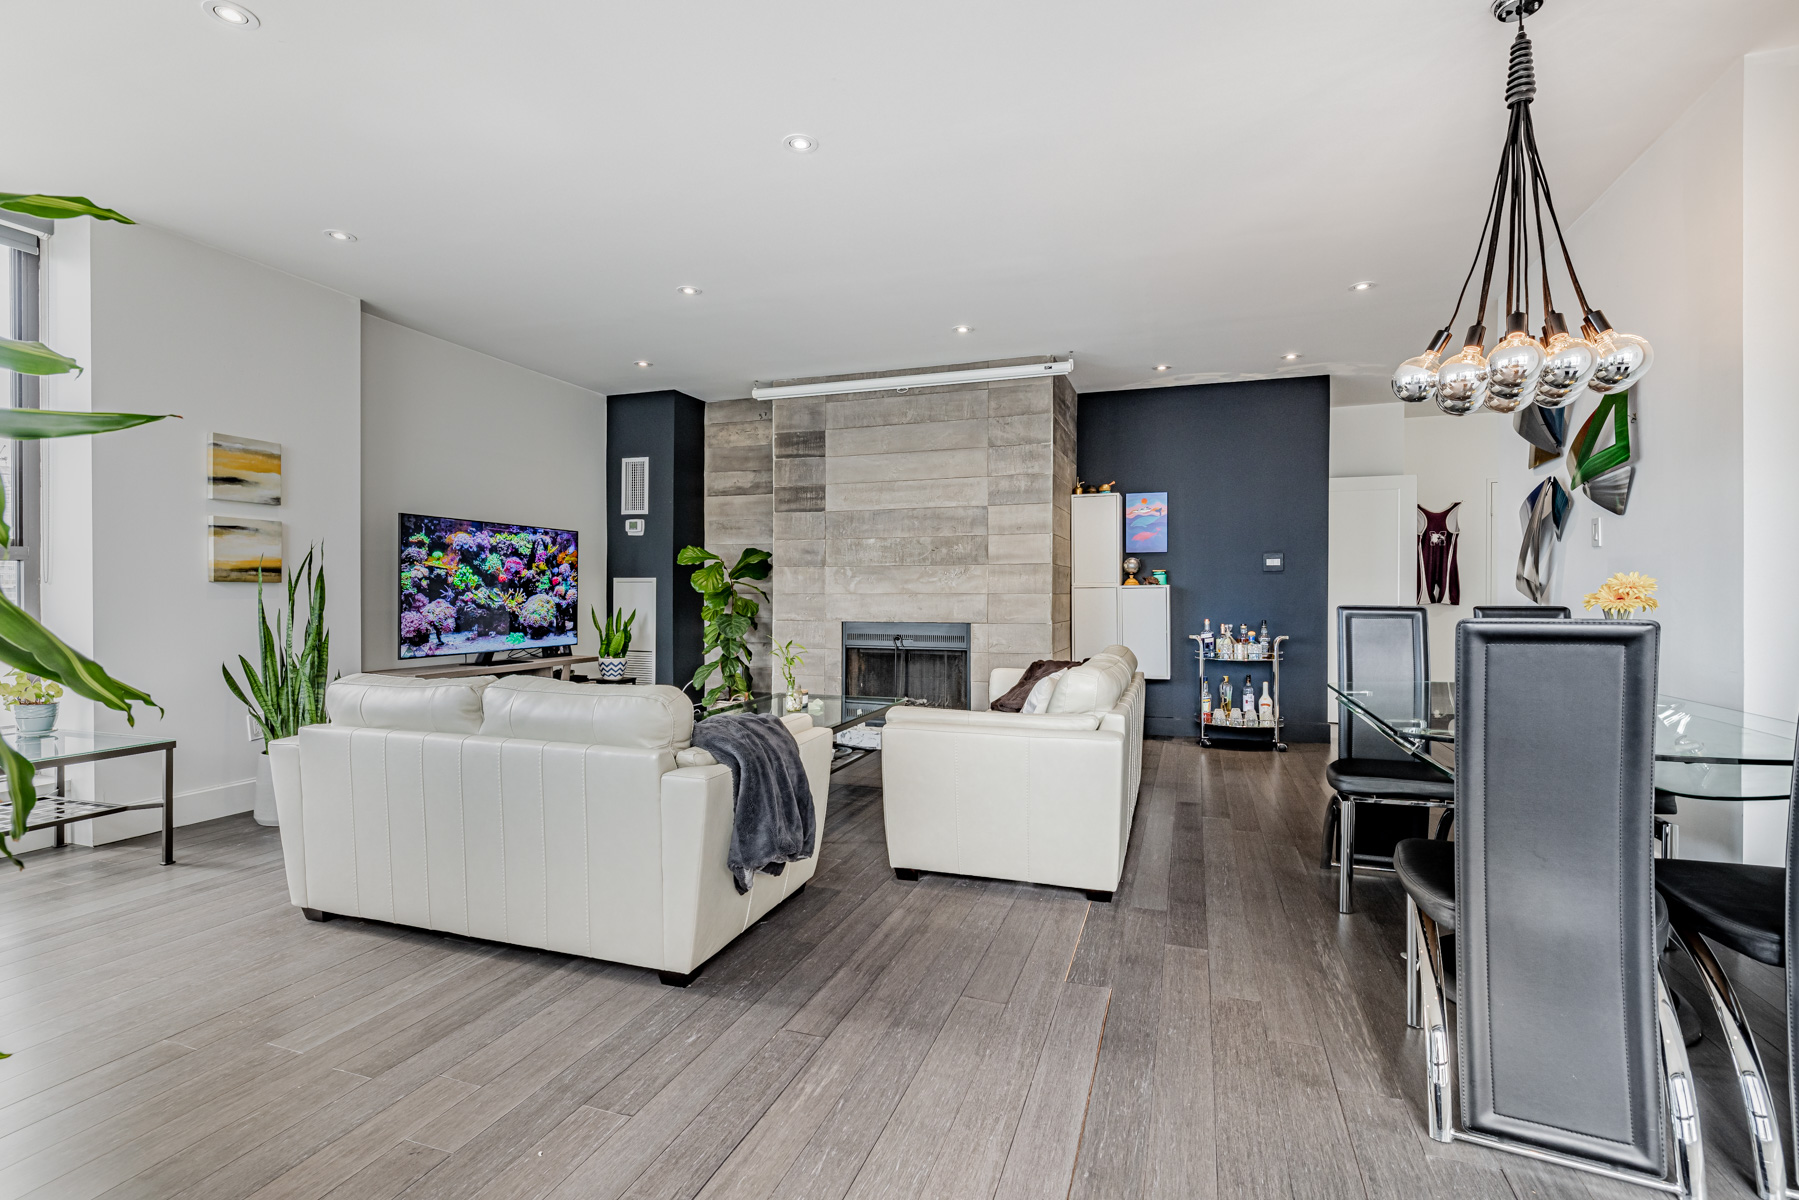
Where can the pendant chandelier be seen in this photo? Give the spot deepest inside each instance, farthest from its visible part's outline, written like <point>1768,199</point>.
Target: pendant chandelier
<point>1522,369</point>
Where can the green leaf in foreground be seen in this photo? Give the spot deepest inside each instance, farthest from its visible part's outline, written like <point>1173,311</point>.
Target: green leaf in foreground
<point>33,423</point>
<point>34,358</point>
<point>58,208</point>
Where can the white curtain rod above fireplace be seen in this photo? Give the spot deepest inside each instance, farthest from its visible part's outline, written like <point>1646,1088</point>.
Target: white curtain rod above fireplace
<point>886,383</point>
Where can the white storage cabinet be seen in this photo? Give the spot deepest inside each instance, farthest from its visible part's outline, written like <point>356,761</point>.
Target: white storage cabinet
<point>1102,610</point>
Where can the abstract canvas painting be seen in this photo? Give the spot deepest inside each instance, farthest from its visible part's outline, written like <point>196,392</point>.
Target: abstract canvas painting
<point>236,546</point>
<point>1146,522</point>
<point>243,469</point>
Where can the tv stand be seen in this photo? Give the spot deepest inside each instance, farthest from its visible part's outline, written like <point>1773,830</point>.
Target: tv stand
<point>484,658</point>
<point>560,667</point>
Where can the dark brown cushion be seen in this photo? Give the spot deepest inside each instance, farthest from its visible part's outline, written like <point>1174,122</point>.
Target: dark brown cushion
<point>1013,701</point>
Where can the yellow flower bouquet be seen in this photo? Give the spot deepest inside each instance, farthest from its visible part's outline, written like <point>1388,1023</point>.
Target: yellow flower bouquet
<point>1624,594</point>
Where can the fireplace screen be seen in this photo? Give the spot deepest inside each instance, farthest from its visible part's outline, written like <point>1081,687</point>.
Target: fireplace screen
<point>925,662</point>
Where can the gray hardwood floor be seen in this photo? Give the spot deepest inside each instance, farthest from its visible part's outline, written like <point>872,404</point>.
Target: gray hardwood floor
<point>1217,1031</point>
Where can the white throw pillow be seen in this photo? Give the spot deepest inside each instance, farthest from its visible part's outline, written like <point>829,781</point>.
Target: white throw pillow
<point>372,701</point>
<point>1038,700</point>
<point>1092,687</point>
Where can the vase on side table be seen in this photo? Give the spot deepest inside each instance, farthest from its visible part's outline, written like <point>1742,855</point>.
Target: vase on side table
<point>34,718</point>
<point>612,670</point>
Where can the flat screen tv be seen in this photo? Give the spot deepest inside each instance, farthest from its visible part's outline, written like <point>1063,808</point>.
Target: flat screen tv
<point>476,587</point>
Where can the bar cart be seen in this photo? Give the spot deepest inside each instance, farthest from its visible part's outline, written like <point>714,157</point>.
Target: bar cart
<point>1246,734</point>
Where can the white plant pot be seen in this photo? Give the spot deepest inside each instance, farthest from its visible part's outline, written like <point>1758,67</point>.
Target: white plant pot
<point>34,718</point>
<point>264,811</point>
<point>612,670</point>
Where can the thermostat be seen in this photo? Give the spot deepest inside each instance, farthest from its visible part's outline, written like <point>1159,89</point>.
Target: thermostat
<point>1276,561</point>
<point>634,527</point>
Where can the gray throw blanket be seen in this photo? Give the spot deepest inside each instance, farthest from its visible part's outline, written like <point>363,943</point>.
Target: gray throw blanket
<point>774,819</point>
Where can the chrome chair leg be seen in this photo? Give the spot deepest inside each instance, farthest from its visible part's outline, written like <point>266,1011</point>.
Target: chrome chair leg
<point>1683,1101</point>
<point>1667,836</point>
<point>1438,1096</point>
<point>1345,854</point>
<point>1411,963</point>
<point>1758,1101</point>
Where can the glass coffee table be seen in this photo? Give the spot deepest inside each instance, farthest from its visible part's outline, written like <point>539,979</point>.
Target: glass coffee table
<point>71,747</point>
<point>837,712</point>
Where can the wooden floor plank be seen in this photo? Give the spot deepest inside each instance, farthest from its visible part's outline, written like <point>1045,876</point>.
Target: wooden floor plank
<point>1181,1155</point>
<point>1041,1159</point>
<point>1112,1149</point>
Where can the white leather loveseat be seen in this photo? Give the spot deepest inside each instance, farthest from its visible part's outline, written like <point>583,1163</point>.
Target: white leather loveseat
<point>570,817</point>
<point>1042,797</point>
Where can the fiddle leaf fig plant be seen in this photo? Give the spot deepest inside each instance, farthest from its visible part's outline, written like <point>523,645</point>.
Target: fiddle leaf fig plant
<point>729,615</point>
<point>26,644</point>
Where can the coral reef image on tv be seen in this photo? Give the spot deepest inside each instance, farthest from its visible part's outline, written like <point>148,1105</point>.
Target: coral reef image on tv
<point>472,587</point>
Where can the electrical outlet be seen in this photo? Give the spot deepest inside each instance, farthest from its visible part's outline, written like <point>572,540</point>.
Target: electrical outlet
<point>1598,535</point>
<point>250,727</point>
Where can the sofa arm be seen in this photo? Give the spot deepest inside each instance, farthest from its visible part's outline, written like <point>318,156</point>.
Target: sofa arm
<point>290,813</point>
<point>1002,680</point>
<point>1007,802</point>
<point>701,910</point>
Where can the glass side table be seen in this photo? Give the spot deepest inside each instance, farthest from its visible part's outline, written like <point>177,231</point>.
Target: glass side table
<point>71,747</point>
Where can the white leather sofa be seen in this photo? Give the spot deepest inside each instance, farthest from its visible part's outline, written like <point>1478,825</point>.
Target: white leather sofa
<point>1042,797</point>
<point>570,817</point>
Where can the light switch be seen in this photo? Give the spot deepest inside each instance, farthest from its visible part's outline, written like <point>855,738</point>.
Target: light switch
<point>1598,536</point>
<point>1274,561</point>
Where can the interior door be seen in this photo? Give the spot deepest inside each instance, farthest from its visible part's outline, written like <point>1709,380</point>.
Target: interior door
<point>1373,549</point>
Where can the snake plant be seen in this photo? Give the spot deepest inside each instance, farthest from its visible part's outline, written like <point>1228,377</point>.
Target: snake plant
<point>26,644</point>
<point>289,691</point>
<point>615,635</point>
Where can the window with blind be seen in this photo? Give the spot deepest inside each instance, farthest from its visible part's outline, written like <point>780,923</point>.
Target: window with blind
<point>20,245</point>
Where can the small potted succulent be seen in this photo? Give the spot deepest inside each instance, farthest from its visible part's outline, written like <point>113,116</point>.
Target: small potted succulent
<point>33,701</point>
<point>615,642</point>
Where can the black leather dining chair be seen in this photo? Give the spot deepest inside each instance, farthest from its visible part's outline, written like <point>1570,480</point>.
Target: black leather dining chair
<point>1549,892</point>
<point>1521,612</point>
<point>1749,909</point>
<point>1381,656</point>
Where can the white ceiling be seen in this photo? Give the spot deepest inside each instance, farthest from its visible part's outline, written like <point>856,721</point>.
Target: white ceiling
<point>1194,182</point>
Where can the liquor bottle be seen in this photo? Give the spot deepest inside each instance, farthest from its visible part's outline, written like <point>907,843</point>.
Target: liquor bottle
<point>1251,648</point>
<point>1265,710</point>
<point>1249,702</point>
<point>1224,698</point>
<point>1206,641</point>
<point>1205,702</point>
<point>1267,646</point>
<point>1226,648</point>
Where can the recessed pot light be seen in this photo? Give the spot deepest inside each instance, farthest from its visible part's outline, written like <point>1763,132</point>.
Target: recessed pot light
<point>643,363</point>
<point>1289,357</point>
<point>340,235</point>
<point>1161,366</point>
<point>801,143</point>
<point>235,15</point>
<point>687,289</point>
<point>1365,285</point>
<point>964,329</point>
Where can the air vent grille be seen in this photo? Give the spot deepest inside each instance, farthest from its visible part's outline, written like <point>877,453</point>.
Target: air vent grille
<point>634,487</point>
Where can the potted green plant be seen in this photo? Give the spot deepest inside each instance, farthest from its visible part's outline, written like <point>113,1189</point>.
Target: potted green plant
<point>33,701</point>
<point>792,656</point>
<point>615,643</point>
<point>289,691</point>
<point>729,615</point>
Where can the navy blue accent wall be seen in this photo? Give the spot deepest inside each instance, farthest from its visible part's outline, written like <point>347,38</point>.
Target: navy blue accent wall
<point>1247,469</point>
<point>670,429</point>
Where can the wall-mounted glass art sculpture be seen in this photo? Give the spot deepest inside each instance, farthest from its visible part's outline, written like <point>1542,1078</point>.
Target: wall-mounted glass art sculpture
<point>1546,429</point>
<point>1544,517</point>
<point>1602,456</point>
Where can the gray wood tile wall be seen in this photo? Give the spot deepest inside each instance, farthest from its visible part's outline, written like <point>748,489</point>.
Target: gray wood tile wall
<point>939,504</point>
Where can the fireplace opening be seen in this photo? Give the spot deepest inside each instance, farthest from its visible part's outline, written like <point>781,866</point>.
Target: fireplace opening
<point>925,662</point>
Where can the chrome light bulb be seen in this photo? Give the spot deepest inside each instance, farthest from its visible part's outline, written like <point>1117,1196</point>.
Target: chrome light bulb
<point>1568,363</point>
<point>1624,358</point>
<point>1513,367</point>
<point>1416,379</point>
<point>1462,379</point>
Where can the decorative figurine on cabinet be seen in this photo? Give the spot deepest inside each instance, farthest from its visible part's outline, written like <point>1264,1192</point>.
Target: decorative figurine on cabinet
<point>1131,566</point>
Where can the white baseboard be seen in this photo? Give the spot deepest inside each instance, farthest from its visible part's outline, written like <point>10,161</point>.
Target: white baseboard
<point>191,808</point>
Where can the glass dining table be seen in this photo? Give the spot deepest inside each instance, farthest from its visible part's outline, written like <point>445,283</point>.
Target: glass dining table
<point>1702,751</point>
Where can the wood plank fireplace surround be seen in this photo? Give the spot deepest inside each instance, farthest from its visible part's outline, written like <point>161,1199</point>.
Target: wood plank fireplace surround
<point>941,505</point>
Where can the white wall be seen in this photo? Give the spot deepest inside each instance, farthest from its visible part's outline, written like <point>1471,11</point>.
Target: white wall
<point>452,432</point>
<point>1366,439</point>
<point>166,325</point>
